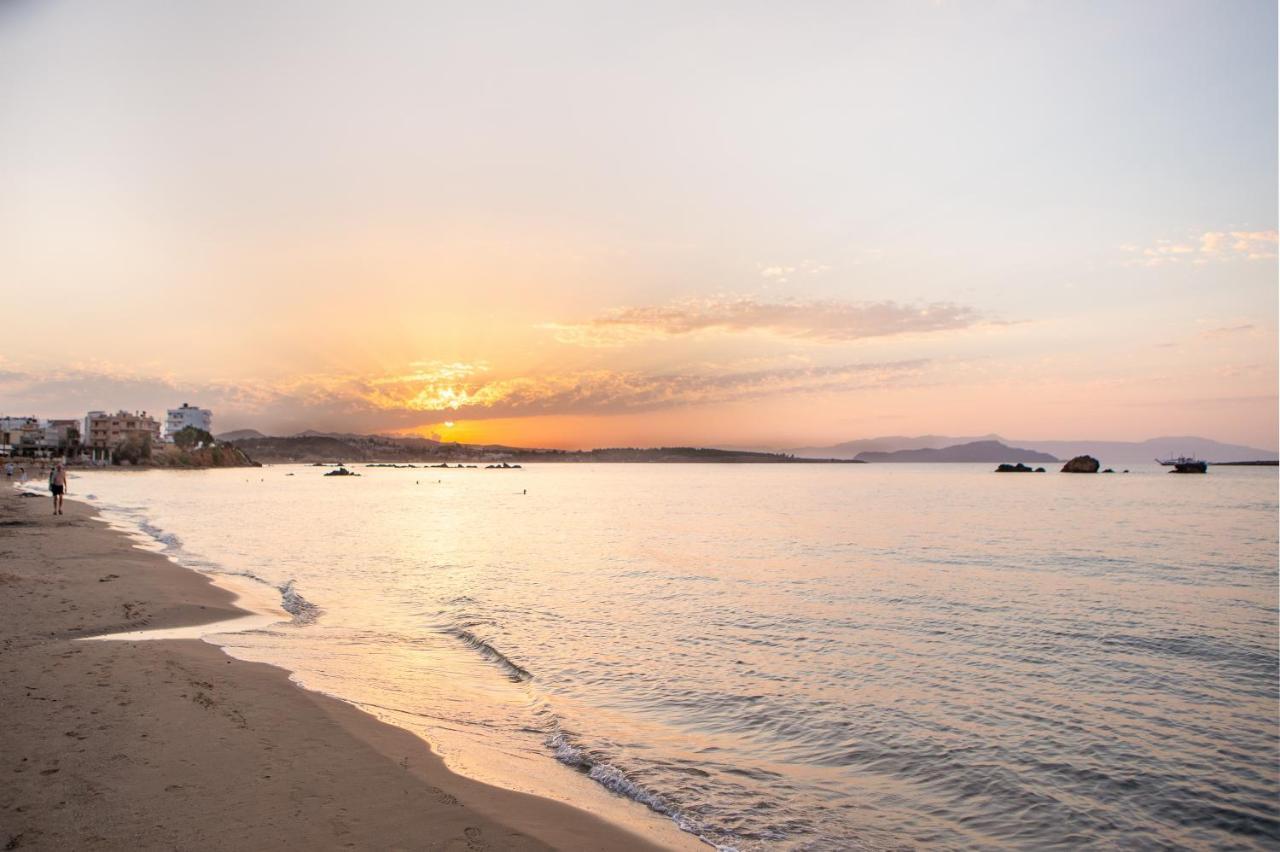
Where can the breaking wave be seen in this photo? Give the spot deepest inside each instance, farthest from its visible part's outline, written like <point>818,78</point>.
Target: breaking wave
<point>617,781</point>
<point>515,671</point>
<point>133,520</point>
<point>302,610</point>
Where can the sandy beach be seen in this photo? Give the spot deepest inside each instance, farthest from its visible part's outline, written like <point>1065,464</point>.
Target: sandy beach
<point>173,744</point>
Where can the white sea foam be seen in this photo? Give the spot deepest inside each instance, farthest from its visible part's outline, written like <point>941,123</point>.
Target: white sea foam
<point>302,610</point>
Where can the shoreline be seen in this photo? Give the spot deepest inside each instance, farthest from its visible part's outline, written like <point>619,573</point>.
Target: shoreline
<point>172,742</point>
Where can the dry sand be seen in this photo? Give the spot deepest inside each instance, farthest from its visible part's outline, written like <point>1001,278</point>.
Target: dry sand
<point>172,744</point>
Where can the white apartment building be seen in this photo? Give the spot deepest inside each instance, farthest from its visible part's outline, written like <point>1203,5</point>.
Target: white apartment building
<point>187,415</point>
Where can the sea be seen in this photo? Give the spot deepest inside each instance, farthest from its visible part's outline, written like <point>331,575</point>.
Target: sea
<point>789,657</point>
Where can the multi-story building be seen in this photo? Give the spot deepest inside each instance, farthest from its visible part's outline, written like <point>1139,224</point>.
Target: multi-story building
<point>28,436</point>
<point>187,415</point>
<point>105,432</point>
<point>19,435</point>
<point>62,434</point>
<point>85,431</point>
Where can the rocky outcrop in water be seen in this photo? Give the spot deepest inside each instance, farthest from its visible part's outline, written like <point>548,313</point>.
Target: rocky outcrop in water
<point>1081,464</point>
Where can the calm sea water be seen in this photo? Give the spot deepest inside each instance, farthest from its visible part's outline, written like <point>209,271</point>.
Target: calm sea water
<point>786,657</point>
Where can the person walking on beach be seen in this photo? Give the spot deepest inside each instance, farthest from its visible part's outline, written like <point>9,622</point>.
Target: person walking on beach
<point>58,485</point>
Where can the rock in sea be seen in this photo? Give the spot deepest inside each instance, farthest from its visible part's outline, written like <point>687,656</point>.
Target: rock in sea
<point>1081,464</point>
<point>1013,468</point>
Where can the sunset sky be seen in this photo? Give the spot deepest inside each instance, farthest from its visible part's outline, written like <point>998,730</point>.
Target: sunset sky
<point>591,224</point>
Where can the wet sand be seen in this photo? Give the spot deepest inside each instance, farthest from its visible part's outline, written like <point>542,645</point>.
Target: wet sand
<point>173,744</point>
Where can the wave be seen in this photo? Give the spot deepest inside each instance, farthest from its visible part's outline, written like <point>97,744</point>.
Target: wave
<point>515,671</point>
<point>134,519</point>
<point>616,780</point>
<point>302,610</point>
<point>570,754</point>
<point>167,539</point>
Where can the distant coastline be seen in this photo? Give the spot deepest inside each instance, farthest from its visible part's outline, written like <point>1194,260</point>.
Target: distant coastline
<point>1261,463</point>
<point>377,448</point>
<point>1115,452</point>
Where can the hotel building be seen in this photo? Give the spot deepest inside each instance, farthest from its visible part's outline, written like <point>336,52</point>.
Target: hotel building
<point>187,415</point>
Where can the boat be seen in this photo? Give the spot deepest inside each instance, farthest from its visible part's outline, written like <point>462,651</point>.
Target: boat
<point>1185,464</point>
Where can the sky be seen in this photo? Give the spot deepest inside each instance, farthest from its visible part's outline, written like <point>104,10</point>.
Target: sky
<point>599,224</point>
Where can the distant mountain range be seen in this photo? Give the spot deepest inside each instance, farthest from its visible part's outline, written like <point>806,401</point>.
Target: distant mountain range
<point>974,451</point>
<point>890,444</point>
<point>1109,452</point>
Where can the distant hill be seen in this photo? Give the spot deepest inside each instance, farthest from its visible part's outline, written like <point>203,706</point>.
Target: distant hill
<point>239,435</point>
<point>992,452</point>
<point>1109,452</point>
<point>887,444</point>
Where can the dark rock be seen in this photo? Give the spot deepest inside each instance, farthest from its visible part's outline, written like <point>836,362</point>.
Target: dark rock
<point>1108,470</point>
<point>1013,468</point>
<point>1039,470</point>
<point>1081,464</point>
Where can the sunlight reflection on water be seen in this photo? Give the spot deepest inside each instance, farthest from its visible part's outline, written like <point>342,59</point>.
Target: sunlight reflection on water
<point>788,657</point>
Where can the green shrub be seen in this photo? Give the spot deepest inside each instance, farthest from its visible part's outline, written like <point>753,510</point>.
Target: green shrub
<point>190,436</point>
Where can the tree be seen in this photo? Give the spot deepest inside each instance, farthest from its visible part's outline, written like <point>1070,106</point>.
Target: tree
<point>189,436</point>
<point>133,449</point>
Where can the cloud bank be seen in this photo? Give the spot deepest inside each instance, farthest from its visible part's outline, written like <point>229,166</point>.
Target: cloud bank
<point>820,321</point>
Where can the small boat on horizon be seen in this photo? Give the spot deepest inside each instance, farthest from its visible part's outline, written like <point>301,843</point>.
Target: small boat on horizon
<point>1185,464</point>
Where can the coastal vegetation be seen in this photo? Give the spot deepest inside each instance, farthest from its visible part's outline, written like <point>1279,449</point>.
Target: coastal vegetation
<point>133,450</point>
<point>192,448</point>
<point>218,455</point>
<point>190,437</point>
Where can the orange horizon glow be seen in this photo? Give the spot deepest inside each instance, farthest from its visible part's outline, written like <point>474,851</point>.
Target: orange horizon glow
<point>780,235</point>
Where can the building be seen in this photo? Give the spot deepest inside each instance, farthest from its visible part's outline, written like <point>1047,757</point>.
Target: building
<point>105,432</point>
<point>61,437</point>
<point>28,436</point>
<point>187,415</point>
<point>19,435</point>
